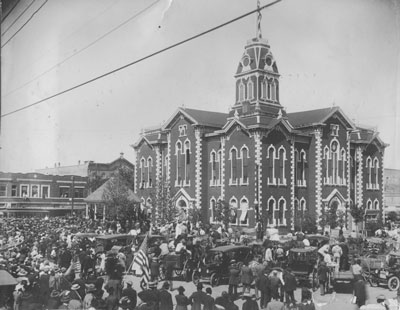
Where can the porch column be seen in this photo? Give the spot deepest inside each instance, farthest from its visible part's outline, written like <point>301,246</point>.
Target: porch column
<point>95,211</point>
<point>104,212</point>
<point>87,211</point>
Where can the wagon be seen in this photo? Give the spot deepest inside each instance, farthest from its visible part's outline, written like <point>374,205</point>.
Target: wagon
<point>179,263</point>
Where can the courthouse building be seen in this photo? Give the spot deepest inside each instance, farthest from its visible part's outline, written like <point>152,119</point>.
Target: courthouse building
<point>266,163</point>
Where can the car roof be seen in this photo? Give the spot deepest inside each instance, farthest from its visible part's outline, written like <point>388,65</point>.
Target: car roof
<point>304,250</point>
<point>227,248</point>
<point>316,236</point>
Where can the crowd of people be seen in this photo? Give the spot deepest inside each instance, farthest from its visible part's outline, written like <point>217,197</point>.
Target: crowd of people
<point>56,269</point>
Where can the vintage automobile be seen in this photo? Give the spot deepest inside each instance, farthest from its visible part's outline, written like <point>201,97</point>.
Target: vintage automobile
<point>108,241</point>
<point>303,263</point>
<point>317,240</point>
<point>216,264</point>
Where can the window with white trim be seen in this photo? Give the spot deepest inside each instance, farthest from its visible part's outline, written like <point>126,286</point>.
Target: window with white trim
<point>369,172</point>
<point>166,167</point>
<point>3,190</point>
<point>271,211</point>
<point>179,164</point>
<point>24,190</point>
<point>369,204</point>
<point>14,190</point>
<point>233,157</point>
<point>219,160</point>
<point>342,167</point>
<point>335,161</point>
<point>303,206</point>
<point>45,191</point>
<point>187,163</point>
<point>326,165</point>
<point>280,175</point>
<point>376,204</point>
<point>233,208</point>
<point>64,191</point>
<point>35,191</point>
<point>213,166</point>
<point>269,89</point>
<point>142,173</point>
<point>331,164</point>
<point>375,176</point>
<point>334,130</point>
<point>182,130</point>
<point>273,90</point>
<point>244,208</point>
<point>241,92</point>
<point>149,172</point>
<point>250,90</point>
<point>271,165</point>
<point>280,212</point>
<point>301,165</point>
<point>264,86</point>
<point>245,165</point>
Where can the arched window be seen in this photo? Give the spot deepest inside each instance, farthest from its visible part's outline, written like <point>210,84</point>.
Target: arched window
<point>342,167</point>
<point>187,162</point>
<point>233,206</point>
<point>213,210</point>
<point>264,89</point>
<point>241,92</point>
<point>369,172</point>
<point>326,166</point>
<point>376,204</point>
<point>335,161</point>
<point>281,169</point>
<point>213,166</point>
<point>281,212</point>
<point>273,91</point>
<point>142,173</point>
<point>271,165</point>
<point>166,167</point>
<point>375,178</point>
<point>234,172</point>
<point>245,165</point>
<point>269,90</point>
<point>277,90</point>
<point>300,168</point>
<point>369,204</point>
<point>303,204</point>
<point>250,90</point>
<point>219,159</point>
<point>271,210</point>
<point>244,207</point>
<point>179,164</point>
<point>149,172</point>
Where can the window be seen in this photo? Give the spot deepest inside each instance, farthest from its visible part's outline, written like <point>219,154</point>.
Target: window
<point>179,164</point>
<point>369,204</point>
<point>271,165</point>
<point>233,211</point>
<point>376,204</point>
<point>219,158</point>
<point>342,167</point>
<point>14,190</point>
<point>182,130</point>
<point>281,169</point>
<point>244,208</point>
<point>241,92</point>
<point>326,165</point>
<point>335,159</point>
<point>233,159</point>
<point>301,163</point>
<point>35,191</point>
<point>187,163</point>
<point>64,191</point>
<point>250,90</point>
<point>334,130</point>
<point>273,91</point>
<point>303,204</point>
<point>369,173</point>
<point>245,166</point>
<point>45,191</point>
<point>269,90</point>
<point>331,164</point>
<point>79,192</point>
<point>3,190</point>
<point>213,210</point>
<point>375,177</point>
<point>142,173</point>
<point>281,212</point>
<point>24,190</point>
<point>264,89</point>
<point>271,210</point>
<point>149,172</point>
<point>213,164</point>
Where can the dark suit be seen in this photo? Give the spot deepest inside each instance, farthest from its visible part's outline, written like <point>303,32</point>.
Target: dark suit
<point>264,286</point>
<point>208,302</point>
<point>290,286</point>
<point>131,294</point>
<point>165,300</point>
<point>197,299</point>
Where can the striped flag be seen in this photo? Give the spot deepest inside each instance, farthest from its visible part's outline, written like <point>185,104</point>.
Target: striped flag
<point>142,260</point>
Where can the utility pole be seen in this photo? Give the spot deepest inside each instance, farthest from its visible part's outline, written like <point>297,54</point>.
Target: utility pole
<point>73,195</point>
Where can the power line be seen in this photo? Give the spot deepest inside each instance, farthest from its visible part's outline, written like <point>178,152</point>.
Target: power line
<point>15,4</point>
<point>29,19</point>
<point>15,20</point>
<point>81,50</point>
<point>139,60</point>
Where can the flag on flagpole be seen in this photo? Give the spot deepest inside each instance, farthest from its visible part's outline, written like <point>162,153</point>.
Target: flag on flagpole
<point>259,16</point>
<point>142,260</point>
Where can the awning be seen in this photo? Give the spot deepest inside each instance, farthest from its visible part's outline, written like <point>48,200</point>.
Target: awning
<point>243,214</point>
<point>7,279</point>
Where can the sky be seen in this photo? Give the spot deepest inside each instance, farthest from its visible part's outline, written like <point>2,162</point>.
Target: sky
<point>343,52</point>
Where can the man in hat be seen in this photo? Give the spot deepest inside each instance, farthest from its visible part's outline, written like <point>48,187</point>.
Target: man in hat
<point>181,300</point>
<point>360,291</point>
<point>323,276</point>
<point>264,286</point>
<point>209,302</point>
<point>150,296</point>
<point>165,298</point>
<point>250,303</point>
<point>290,285</point>
<point>198,297</point>
<point>246,277</point>
<point>234,279</point>
<point>130,293</point>
<point>154,268</point>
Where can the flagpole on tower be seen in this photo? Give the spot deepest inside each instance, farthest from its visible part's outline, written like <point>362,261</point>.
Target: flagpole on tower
<point>259,16</point>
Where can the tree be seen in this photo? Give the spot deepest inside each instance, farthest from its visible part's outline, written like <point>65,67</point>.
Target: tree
<point>309,223</point>
<point>118,197</point>
<point>333,216</point>
<point>164,210</point>
<point>358,214</point>
<point>341,218</point>
<point>222,212</point>
<point>392,216</point>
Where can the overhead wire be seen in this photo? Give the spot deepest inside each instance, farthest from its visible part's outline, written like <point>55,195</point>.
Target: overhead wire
<point>24,24</point>
<point>81,50</point>
<point>139,60</point>
<point>18,17</point>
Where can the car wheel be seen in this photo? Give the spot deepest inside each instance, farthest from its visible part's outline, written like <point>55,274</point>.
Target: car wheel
<point>196,277</point>
<point>214,280</point>
<point>393,283</point>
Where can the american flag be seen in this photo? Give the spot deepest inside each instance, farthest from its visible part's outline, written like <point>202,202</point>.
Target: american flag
<point>142,260</point>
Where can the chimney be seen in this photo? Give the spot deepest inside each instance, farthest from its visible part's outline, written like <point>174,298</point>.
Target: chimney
<point>59,164</point>
<point>79,162</point>
<point>121,155</point>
